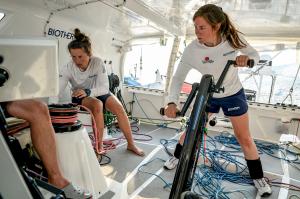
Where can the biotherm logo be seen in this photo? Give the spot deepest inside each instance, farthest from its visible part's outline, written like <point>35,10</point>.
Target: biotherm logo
<point>60,33</point>
<point>207,60</point>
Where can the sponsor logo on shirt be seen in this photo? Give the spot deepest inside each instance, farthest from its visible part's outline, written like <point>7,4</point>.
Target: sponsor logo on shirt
<point>207,60</point>
<point>228,53</point>
<point>233,108</point>
<point>92,76</point>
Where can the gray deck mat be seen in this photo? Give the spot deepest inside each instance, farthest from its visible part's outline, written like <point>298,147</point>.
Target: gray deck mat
<point>291,192</point>
<point>153,165</point>
<point>124,162</point>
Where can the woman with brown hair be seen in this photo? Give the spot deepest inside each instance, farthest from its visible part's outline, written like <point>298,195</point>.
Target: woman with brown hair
<point>90,88</point>
<point>217,42</point>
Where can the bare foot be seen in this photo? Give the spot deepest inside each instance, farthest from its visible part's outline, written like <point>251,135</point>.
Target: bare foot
<point>58,181</point>
<point>101,150</point>
<point>136,150</point>
<point>109,145</point>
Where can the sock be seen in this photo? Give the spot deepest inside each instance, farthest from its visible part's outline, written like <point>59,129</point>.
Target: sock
<point>177,151</point>
<point>255,169</point>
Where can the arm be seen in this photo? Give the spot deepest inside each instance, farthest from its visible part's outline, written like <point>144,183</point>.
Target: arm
<point>102,83</point>
<point>175,88</point>
<point>247,53</point>
<point>177,81</point>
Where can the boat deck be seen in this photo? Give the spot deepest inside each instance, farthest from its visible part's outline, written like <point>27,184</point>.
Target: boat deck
<point>137,177</point>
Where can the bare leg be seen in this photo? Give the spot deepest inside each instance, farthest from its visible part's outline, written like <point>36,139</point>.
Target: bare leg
<point>113,105</point>
<point>96,107</point>
<point>241,130</point>
<point>42,135</point>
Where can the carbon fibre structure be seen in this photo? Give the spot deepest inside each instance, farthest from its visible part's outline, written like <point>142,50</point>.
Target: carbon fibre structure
<point>187,163</point>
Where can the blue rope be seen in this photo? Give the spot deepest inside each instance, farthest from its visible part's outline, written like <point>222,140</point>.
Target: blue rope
<point>208,179</point>
<point>166,184</point>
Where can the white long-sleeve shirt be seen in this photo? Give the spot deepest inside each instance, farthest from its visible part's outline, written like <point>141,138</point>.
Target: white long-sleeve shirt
<point>210,60</point>
<point>94,77</point>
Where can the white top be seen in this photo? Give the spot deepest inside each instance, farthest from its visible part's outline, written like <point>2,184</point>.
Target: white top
<point>210,60</point>
<point>94,77</point>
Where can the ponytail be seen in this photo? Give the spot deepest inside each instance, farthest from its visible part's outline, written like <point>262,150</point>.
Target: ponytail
<point>231,34</point>
<point>81,41</point>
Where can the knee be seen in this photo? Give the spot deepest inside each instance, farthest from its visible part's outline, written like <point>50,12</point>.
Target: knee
<point>97,107</point>
<point>119,111</point>
<point>39,109</point>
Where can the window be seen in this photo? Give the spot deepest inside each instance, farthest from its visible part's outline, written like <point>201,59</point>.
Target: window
<point>147,63</point>
<point>281,72</point>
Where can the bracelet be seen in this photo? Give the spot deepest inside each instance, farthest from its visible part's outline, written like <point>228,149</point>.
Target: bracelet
<point>87,91</point>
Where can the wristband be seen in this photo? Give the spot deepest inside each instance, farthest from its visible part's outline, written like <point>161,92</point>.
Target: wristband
<point>87,91</point>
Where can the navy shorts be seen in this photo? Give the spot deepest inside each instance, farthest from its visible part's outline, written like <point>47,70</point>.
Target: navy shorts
<point>102,98</point>
<point>234,105</point>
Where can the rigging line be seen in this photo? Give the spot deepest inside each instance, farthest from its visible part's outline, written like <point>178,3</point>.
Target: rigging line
<point>286,7</point>
<point>263,65</point>
<point>255,81</point>
<point>292,87</point>
<point>143,110</point>
<point>288,95</point>
<point>295,76</point>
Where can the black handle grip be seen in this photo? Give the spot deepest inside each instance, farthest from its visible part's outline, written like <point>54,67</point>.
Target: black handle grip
<point>162,112</point>
<point>250,63</point>
<point>213,121</point>
<point>4,76</point>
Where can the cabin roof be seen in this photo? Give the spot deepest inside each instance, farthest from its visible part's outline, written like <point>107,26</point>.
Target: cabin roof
<point>255,18</point>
